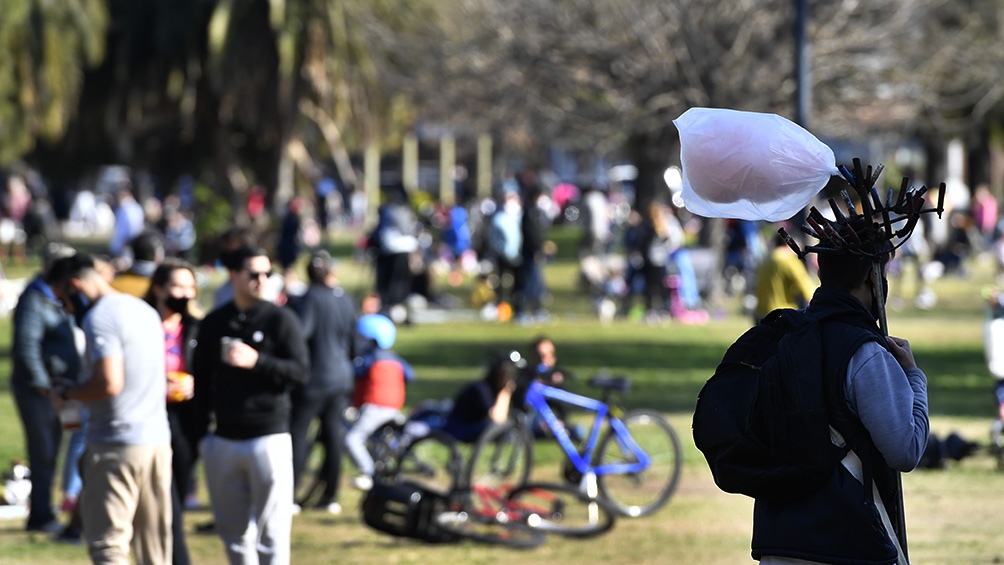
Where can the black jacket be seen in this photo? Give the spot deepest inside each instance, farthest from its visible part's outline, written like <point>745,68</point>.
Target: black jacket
<point>534,226</point>
<point>249,403</point>
<point>839,523</point>
<point>328,317</point>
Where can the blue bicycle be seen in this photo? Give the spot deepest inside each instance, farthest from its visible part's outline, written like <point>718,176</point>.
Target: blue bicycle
<point>635,466</point>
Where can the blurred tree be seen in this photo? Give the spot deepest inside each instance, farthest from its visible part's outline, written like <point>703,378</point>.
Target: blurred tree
<point>610,76</point>
<point>45,48</point>
<point>254,91</point>
<point>957,66</point>
<point>235,92</point>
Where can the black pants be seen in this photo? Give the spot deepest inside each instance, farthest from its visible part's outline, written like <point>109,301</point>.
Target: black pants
<point>182,466</point>
<point>327,407</point>
<point>393,278</point>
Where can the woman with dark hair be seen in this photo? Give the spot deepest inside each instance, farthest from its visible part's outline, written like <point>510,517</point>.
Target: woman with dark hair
<point>484,402</point>
<point>172,292</point>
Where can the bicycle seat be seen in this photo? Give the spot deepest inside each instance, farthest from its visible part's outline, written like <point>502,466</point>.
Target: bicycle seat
<point>611,383</point>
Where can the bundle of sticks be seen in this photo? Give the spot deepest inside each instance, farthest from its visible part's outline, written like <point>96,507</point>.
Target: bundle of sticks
<point>892,219</point>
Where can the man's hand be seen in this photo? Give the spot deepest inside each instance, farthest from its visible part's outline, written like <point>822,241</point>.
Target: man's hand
<point>900,349</point>
<point>241,355</point>
<point>56,397</point>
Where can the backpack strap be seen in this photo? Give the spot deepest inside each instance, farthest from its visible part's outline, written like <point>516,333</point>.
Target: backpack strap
<point>841,418</point>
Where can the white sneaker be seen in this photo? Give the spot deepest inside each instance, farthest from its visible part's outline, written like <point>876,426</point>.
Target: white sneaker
<point>363,482</point>
<point>296,509</point>
<point>334,508</point>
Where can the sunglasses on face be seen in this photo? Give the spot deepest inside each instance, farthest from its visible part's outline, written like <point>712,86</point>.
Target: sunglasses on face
<point>258,274</point>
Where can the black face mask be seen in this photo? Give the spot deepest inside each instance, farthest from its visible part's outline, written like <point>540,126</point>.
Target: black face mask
<point>81,305</point>
<point>177,304</point>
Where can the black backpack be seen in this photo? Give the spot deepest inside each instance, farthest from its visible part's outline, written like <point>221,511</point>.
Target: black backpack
<point>762,421</point>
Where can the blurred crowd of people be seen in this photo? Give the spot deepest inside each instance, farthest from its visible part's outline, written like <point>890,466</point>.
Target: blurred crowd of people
<point>125,362</point>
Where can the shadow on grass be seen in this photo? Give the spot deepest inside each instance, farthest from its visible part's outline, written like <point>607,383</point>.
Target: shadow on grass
<point>667,376</point>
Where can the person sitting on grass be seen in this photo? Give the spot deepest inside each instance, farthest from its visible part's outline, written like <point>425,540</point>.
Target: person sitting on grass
<point>543,367</point>
<point>484,402</point>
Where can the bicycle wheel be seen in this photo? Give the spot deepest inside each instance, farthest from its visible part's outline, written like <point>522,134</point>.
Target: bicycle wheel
<point>561,509</point>
<point>383,446</point>
<point>644,492</point>
<point>431,461</point>
<point>490,530</point>
<point>502,456</point>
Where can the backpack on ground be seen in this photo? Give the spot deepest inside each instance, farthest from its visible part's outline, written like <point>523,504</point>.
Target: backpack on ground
<point>406,509</point>
<point>762,420</point>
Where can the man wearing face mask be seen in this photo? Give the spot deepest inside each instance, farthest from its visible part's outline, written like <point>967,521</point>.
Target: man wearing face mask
<point>884,419</point>
<point>126,468</point>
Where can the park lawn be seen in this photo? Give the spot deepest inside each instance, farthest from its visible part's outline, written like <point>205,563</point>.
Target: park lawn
<point>951,514</point>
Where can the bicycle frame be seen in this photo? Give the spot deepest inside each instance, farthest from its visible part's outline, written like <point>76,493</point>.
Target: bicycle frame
<point>536,398</point>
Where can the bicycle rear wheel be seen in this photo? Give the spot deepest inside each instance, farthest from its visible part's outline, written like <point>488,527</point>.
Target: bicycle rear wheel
<point>561,509</point>
<point>383,446</point>
<point>641,493</point>
<point>470,525</point>
<point>431,461</point>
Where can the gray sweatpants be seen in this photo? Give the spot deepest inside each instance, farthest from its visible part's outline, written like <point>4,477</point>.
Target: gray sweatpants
<point>250,485</point>
<point>371,417</point>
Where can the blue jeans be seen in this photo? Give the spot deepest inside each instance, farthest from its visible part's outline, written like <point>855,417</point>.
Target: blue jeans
<point>43,433</point>
<point>74,451</point>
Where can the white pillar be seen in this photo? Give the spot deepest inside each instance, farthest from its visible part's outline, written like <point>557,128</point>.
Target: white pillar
<point>484,166</point>
<point>409,162</point>
<point>447,163</point>
<point>371,180</point>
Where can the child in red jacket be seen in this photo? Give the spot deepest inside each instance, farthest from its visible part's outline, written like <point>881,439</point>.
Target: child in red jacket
<point>381,377</point>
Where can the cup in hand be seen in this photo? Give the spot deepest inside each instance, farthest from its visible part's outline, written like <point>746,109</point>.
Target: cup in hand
<point>181,378</point>
<point>71,415</point>
<point>226,344</point>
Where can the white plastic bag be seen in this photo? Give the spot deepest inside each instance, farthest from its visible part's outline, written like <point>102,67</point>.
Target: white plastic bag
<point>993,346</point>
<point>749,165</point>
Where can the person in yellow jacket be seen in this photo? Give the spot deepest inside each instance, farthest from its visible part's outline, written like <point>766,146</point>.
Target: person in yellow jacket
<point>782,281</point>
<point>147,253</point>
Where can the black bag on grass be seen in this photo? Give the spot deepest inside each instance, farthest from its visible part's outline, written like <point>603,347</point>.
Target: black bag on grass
<point>406,509</point>
<point>761,421</point>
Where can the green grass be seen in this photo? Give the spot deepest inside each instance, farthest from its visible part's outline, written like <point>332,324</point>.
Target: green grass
<point>951,514</point>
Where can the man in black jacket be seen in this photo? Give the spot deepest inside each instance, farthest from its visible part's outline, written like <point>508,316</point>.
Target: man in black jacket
<point>250,355</point>
<point>328,316</point>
